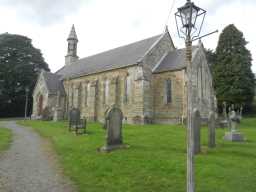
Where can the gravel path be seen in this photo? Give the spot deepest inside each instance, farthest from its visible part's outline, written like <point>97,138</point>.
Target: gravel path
<point>27,166</point>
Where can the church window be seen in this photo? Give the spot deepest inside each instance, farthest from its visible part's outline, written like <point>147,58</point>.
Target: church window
<point>72,96</point>
<point>127,89</point>
<point>168,91</point>
<point>106,94</point>
<point>85,95</point>
<point>79,100</point>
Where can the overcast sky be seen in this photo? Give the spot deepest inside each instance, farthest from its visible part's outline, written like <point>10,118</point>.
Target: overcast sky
<point>102,25</point>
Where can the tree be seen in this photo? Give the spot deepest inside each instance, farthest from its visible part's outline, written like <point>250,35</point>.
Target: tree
<point>20,64</point>
<point>232,75</point>
<point>211,56</point>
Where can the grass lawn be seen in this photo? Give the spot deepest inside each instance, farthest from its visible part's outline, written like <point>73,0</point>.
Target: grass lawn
<point>155,161</point>
<point>5,138</point>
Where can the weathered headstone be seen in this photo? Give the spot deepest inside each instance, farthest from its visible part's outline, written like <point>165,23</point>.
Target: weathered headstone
<point>113,121</point>
<point>224,109</point>
<point>223,121</point>
<point>211,130</point>
<point>75,123</point>
<point>196,123</point>
<point>233,134</point>
<point>240,113</point>
<point>229,121</point>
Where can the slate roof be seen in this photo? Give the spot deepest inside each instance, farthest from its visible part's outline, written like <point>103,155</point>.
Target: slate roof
<point>174,60</point>
<point>53,83</point>
<point>116,58</point>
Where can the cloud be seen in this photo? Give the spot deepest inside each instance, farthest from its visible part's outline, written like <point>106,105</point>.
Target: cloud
<point>44,12</point>
<point>103,25</point>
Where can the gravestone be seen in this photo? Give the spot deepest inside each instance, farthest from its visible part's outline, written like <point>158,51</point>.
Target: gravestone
<point>211,130</point>
<point>229,121</point>
<point>75,123</point>
<point>224,108</point>
<point>224,122</point>
<point>113,123</point>
<point>196,123</point>
<point>233,134</point>
<point>240,113</point>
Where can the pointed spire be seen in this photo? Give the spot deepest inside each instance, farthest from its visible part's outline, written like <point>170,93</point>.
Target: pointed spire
<point>166,29</point>
<point>72,34</point>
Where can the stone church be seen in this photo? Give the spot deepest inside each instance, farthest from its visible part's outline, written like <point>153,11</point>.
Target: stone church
<point>145,79</point>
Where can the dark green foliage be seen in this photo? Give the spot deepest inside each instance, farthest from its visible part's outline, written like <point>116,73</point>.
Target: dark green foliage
<point>211,57</point>
<point>20,64</point>
<point>233,78</point>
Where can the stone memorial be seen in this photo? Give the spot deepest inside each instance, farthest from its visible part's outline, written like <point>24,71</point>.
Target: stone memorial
<point>75,123</point>
<point>113,123</point>
<point>211,130</point>
<point>196,123</point>
<point>233,134</point>
<point>224,108</point>
<point>229,121</point>
<point>224,122</point>
<point>240,113</point>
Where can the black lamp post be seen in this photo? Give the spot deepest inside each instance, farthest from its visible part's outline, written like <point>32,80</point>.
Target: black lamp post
<point>189,27</point>
<point>26,104</point>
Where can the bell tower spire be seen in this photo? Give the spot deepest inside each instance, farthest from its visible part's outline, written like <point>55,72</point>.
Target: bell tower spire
<point>71,56</point>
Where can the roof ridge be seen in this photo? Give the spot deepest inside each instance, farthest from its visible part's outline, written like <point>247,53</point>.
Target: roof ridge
<point>112,49</point>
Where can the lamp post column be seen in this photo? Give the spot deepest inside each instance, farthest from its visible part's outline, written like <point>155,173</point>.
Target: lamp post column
<point>190,131</point>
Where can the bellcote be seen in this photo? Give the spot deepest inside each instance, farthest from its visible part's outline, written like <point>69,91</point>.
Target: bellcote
<point>72,40</point>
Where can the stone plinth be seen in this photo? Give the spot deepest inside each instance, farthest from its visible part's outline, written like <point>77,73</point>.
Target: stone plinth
<point>234,136</point>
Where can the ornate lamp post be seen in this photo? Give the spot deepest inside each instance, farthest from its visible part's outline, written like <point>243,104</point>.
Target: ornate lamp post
<point>26,104</point>
<point>189,27</point>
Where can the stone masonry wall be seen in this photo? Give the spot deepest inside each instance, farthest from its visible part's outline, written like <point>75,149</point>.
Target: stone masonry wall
<point>151,60</point>
<point>168,112</point>
<point>93,98</point>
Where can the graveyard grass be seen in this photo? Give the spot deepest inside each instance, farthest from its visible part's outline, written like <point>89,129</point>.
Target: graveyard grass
<point>155,160</point>
<point>5,138</point>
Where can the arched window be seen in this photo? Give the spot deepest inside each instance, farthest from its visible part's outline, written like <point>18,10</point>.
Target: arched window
<point>127,89</point>
<point>88,93</point>
<point>106,94</point>
<point>85,95</point>
<point>79,97</point>
<point>168,91</point>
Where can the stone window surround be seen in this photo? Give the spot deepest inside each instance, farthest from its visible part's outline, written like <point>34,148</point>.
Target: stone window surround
<point>127,89</point>
<point>105,94</point>
<point>168,90</point>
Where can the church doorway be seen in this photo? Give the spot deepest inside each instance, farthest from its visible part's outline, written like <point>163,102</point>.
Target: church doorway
<point>40,105</point>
